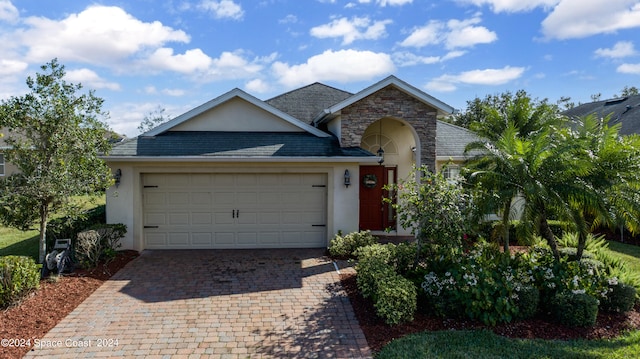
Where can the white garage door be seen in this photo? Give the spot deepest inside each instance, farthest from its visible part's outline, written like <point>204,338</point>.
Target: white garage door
<point>248,210</point>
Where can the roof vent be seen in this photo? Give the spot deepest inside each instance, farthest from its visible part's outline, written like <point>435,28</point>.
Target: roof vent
<point>615,101</point>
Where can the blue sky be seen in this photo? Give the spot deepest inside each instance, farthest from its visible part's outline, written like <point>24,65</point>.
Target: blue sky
<point>176,54</point>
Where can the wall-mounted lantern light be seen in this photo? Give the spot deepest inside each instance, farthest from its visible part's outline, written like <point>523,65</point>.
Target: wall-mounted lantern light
<point>347,178</point>
<point>380,154</point>
<point>117,176</point>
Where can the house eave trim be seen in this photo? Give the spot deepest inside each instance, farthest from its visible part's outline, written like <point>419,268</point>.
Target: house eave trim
<point>368,159</point>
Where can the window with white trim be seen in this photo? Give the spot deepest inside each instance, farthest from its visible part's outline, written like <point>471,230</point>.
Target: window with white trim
<point>451,172</point>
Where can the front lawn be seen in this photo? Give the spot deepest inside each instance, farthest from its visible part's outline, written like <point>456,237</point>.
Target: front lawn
<point>480,344</point>
<point>19,243</point>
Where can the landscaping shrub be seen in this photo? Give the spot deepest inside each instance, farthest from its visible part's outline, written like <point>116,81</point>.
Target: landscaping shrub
<point>396,299</point>
<point>483,285</point>
<point>575,309</point>
<point>18,275</point>
<point>99,244</point>
<point>69,227</point>
<point>527,302</point>
<point>345,246</point>
<point>620,299</point>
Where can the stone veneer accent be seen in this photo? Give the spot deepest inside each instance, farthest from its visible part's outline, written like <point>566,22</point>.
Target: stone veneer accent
<point>391,102</point>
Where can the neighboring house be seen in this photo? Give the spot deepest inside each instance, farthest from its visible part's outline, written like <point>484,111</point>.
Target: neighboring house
<point>5,168</point>
<point>292,171</point>
<point>623,110</point>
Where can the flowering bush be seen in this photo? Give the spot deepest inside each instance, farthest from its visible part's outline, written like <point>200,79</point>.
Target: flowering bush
<point>483,284</point>
<point>620,298</point>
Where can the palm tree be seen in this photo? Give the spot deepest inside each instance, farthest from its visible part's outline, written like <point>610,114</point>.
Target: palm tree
<point>586,175</point>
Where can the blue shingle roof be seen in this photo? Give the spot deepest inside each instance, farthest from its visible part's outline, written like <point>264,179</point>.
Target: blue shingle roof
<point>235,144</point>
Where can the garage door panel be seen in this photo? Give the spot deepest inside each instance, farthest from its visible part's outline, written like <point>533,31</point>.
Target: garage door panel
<point>152,198</point>
<point>275,210</point>
<point>202,240</point>
<point>155,219</point>
<point>201,218</point>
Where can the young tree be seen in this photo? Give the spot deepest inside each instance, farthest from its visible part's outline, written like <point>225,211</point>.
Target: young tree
<point>55,135</point>
<point>436,211</point>
<point>153,119</point>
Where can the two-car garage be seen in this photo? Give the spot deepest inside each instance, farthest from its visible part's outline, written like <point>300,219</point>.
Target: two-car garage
<point>234,210</point>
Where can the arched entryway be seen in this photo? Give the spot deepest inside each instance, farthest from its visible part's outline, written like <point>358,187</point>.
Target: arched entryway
<point>400,147</point>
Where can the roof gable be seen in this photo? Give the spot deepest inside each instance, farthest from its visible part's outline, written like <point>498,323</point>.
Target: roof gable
<point>235,111</point>
<point>307,102</point>
<point>441,107</point>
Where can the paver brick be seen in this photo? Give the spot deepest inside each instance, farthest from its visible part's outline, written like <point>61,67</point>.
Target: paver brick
<point>220,303</point>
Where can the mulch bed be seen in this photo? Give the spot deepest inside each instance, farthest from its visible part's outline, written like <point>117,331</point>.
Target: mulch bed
<point>41,310</point>
<point>378,333</point>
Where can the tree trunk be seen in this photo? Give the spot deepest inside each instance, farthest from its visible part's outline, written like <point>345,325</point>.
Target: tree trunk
<point>546,233</point>
<point>44,217</point>
<point>505,225</point>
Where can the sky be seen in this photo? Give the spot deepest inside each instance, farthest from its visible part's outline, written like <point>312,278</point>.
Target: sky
<point>145,55</point>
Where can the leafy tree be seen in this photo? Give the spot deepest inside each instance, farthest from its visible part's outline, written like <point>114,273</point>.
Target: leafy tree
<point>55,135</point>
<point>629,91</point>
<point>436,211</point>
<point>153,119</point>
<point>490,116</point>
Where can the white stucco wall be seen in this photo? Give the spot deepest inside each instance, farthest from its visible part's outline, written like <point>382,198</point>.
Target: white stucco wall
<point>124,203</point>
<point>237,115</point>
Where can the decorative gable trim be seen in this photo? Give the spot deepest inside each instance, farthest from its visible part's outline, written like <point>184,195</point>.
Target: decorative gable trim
<point>235,93</point>
<point>441,107</point>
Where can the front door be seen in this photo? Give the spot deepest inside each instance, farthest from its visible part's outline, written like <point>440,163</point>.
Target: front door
<point>375,215</point>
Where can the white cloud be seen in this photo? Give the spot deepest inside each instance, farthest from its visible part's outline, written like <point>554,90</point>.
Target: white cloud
<point>257,86</point>
<point>404,59</point>
<point>90,36</point>
<point>511,6</point>
<point>454,34</point>
<point>191,61</point>
<point>489,77</point>
<point>289,19</point>
<point>582,18</point>
<point>173,92</point>
<point>90,79</point>
<point>619,50</point>
<point>633,69</point>
<point>341,66</point>
<point>12,67</point>
<point>384,3</point>
<point>464,33</point>
<point>358,28</point>
<point>430,34</point>
<point>236,65</point>
<point>8,12</point>
<point>222,9</point>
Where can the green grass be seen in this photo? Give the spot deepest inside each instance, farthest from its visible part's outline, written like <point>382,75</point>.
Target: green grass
<point>16,242</point>
<point>627,252</point>
<point>482,344</point>
<point>485,344</point>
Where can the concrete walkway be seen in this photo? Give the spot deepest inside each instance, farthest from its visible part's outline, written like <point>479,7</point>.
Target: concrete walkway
<point>214,303</point>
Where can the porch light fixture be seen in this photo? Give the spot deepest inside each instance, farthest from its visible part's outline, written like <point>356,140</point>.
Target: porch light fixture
<point>347,178</point>
<point>380,154</point>
<point>380,151</point>
<point>117,176</point>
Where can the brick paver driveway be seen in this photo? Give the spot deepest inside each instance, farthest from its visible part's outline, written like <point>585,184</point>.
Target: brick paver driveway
<point>214,303</point>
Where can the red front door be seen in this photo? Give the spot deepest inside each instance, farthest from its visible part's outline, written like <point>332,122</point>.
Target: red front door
<point>374,214</point>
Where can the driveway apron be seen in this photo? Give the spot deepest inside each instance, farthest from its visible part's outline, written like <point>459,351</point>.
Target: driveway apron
<point>214,303</point>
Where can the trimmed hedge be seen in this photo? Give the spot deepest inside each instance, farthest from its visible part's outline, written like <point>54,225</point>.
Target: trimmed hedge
<point>345,246</point>
<point>575,309</point>
<point>620,298</point>
<point>395,297</point>
<point>18,275</point>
